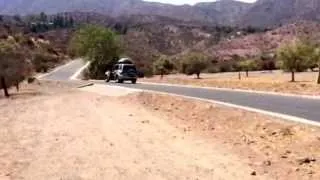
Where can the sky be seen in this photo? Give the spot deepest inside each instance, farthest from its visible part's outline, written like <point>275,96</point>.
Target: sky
<point>179,2</point>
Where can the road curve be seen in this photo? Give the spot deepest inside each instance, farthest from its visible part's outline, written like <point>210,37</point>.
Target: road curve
<point>300,107</point>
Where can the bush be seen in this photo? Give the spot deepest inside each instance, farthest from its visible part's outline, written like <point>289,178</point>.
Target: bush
<point>43,61</point>
<point>248,65</point>
<point>98,45</point>
<point>295,57</point>
<point>162,66</point>
<point>193,63</point>
<point>14,66</point>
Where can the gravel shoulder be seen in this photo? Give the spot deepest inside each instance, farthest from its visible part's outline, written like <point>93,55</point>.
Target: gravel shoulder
<point>54,131</point>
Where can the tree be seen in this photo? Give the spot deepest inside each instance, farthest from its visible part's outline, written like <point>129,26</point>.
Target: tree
<point>248,65</point>
<point>17,18</point>
<point>193,63</point>
<point>43,17</point>
<point>316,60</point>
<point>294,57</point>
<point>162,66</point>
<point>13,65</point>
<point>98,45</point>
<point>58,21</point>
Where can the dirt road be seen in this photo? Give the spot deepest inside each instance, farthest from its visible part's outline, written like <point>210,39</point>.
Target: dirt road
<point>82,135</point>
<point>51,132</point>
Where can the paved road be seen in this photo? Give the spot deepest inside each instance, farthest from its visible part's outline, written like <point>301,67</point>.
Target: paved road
<point>64,72</point>
<point>293,106</point>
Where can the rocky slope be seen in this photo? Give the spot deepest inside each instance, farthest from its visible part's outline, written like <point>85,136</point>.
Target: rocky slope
<point>216,12</point>
<point>274,12</point>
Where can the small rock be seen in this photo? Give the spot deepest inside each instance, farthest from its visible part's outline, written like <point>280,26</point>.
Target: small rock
<point>156,109</point>
<point>130,115</point>
<point>306,160</point>
<point>251,142</point>
<point>267,163</point>
<point>253,173</point>
<point>273,133</point>
<point>145,122</point>
<point>284,156</point>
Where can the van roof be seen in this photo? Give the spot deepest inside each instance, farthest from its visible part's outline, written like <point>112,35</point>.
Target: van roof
<point>125,61</point>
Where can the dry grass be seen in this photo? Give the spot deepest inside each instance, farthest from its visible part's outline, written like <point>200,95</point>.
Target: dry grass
<point>276,81</point>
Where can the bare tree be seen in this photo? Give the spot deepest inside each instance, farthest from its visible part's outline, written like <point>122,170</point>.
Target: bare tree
<point>14,66</point>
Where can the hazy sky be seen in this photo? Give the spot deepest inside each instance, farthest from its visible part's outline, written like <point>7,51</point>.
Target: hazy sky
<point>190,1</point>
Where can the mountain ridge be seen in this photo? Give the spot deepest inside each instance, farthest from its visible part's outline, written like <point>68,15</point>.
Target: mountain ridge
<point>262,13</point>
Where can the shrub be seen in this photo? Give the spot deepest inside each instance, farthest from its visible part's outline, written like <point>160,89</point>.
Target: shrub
<point>98,45</point>
<point>43,61</point>
<point>14,66</point>
<point>294,57</point>
<point>248,65</point>
<point>162,66</point>
<point>193,63</point>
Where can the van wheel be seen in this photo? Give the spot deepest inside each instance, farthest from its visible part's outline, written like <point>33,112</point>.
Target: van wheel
<point>119,80</point>
<point>134,81</point>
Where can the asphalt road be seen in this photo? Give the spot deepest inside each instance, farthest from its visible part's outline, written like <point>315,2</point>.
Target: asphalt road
<point>294,106</point>
<point>63,73</point>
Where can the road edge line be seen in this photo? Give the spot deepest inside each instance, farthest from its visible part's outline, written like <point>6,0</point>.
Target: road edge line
<point>236,90</point>
<point>269,113</point>
<point>79,71</point>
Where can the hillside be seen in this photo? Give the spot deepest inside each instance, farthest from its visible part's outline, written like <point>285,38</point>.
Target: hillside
<point>256,44</point>
<point>275,12</point>
<point>216,12</point>
<point>263,13</point>
<point>229,11</point>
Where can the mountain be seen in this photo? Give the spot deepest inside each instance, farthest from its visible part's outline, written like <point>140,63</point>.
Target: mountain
<point>275,12</point>
<point>223,11</point>
<point>263,13</point>
<point>229,11</point>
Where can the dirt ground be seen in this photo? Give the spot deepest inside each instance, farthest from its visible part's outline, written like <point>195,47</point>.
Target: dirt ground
<point>54,131</point>
<point>276,81</point>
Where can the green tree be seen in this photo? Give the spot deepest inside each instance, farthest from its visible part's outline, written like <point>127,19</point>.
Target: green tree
<point>294,57</point>
<point>17,18</point>
<point>162,66</point>
<point>98,45</point>
<point>58,21</point>
<point>43,17</point>
<point>194,63</point>
<point>316,60</point>
<point>248,65</point>
<point>14,67</point>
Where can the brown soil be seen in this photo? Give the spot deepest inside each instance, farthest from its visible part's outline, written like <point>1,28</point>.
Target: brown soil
<point>55,132</point>
<point>274,148</point>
